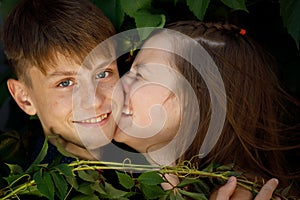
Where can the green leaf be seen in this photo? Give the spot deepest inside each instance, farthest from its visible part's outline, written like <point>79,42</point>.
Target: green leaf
<point>286,190</point>
<point>125,180</point>
<point>236,4</point>
<point>40,157</point>
<point>174,195</point>
<point>11,178</point>
<point>146,19</point>
<point>132,6</point>
<point>201,186</point>
<point>32,190</point>
<point>113,192</point>
<point>34,117</point>
<point>85,197</point>
<point>61,186</point>
<point>150,178</point>
<point>86,188</point>
<point>72,181</point>
<point>198,7</point>
<point>225,167</point>
<point>90,176</point>
<point>193,195</point>
<point>166,196</point>
<point>290,13</point>
<point>6,6</point>
<point>210,168</point>
<point>187,181</point>
<point>44,183</point>
<point>140,11</point>
<point>152,191</point>
<point>65,169</point>
<point>112,9</point>
<point>233,173</point>
<point>15,169</point>
<point>97,187</point>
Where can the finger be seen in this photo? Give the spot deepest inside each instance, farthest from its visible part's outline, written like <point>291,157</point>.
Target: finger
<point>226,191</point>
<point>267,190</point>
<point>241,193</point>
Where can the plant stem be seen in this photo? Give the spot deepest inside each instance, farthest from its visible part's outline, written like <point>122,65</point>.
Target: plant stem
<point>124,165</point>
<point>180,171</point>
<point>19,189</point>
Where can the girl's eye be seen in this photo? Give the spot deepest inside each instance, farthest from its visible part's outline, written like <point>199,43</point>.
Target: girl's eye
<point>138,75</point>
<point>102,75</point>
<point>66,83</point>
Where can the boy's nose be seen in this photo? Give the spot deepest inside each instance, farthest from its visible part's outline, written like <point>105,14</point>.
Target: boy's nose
<point>91,97</point>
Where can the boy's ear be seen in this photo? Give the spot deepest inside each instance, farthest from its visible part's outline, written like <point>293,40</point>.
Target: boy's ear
<point>20,93</point>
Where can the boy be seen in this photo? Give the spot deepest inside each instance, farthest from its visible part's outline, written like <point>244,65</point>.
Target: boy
<point>45,42</point>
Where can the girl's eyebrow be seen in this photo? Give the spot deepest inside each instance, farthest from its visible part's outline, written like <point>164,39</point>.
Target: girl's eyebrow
<point>137,67</point>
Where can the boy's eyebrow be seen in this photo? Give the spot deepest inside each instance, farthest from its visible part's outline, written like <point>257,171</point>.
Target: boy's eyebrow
<point>74,73</point>
<point>63,73</point>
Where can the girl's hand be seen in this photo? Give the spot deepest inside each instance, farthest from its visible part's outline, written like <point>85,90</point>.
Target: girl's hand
<point>230,191</point>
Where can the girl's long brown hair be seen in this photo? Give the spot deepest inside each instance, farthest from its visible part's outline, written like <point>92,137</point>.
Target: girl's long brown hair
<point>260,126</point>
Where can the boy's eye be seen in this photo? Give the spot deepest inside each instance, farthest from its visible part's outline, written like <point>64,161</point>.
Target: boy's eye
<point>102,75</point>
<point>66,83</point>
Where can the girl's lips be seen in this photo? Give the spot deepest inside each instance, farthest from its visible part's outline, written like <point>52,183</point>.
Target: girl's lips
<point>94,120</point>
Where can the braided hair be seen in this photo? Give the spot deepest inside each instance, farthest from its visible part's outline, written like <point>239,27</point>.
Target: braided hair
<point>255,133</point>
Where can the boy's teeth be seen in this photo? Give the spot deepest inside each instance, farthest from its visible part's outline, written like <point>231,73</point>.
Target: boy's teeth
<point>95,120</point>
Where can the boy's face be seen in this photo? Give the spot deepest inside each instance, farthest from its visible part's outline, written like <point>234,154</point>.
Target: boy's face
<point>74,103</point>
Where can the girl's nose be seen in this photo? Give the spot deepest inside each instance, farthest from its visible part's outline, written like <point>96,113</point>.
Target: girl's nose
<point>127,80</point>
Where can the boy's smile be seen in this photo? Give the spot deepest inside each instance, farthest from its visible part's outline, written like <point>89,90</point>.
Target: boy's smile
<point>94,120</point>
<point>74,102</point>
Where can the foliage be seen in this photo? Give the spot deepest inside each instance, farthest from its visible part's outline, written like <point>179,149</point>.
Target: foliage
<point>290,12</point>
<point>86,180</point>
<point>151,13</point>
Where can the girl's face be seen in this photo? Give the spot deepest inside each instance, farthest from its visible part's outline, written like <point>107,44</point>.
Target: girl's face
<point>151,113</point>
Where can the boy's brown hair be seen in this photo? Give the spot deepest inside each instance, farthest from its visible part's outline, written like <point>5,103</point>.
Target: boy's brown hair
<point>36,31</point>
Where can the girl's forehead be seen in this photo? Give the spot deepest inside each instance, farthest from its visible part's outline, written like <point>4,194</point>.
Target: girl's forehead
<point>160,41</point>
<point>147,55</point>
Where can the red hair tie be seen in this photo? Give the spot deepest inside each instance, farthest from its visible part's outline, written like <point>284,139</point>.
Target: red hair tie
<point>242,32</point>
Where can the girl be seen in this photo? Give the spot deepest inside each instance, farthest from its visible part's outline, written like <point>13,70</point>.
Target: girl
<point>220,103</point>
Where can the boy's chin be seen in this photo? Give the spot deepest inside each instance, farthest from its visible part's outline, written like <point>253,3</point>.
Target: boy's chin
<point>96,144</point>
